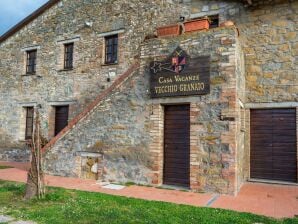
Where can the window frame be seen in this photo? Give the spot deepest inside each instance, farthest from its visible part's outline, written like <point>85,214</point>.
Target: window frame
<point>111,49</point>
<point>31,57</point>
<point>68,55</point>
<point>29,111</point>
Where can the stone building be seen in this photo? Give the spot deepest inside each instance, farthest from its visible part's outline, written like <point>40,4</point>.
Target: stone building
<point>205,109</point>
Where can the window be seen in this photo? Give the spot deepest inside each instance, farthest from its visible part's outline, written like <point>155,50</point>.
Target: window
<point>68,56</point>
<point>29,122</point>
<point>111,53</point>
<point>214,21</point>
<point>31,62</point>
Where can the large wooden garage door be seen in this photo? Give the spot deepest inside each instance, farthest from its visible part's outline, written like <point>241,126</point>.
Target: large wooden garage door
<point>177,145</point>
<point>273,144</point>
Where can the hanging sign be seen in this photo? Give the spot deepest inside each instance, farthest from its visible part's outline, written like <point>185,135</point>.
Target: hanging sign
<point>180,75</point>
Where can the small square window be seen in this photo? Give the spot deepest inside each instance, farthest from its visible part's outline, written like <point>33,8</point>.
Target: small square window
<point>68,56</point>
<point>111,49</point>
<point>31,62</point>
<point>214,21</point>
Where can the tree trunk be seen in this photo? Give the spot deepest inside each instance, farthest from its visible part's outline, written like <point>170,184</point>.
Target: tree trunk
<point>35,178</point>
<point>31,188</point>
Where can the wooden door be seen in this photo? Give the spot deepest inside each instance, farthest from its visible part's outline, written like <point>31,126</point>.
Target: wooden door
<point>61,118</point>
<point>177,145</point>
<point>273,144</point>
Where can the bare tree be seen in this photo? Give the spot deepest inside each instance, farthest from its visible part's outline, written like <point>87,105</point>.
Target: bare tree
<point>35,180</point>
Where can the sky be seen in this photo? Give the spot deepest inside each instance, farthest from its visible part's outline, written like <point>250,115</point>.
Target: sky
<point>13,11</point>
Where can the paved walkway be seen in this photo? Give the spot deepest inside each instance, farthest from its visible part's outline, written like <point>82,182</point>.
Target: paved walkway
<point>277,201</point>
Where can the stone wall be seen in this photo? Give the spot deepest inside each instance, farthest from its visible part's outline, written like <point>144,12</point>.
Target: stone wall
<point>127,127</point>
<point>118,129</point>
<point>268,35</point>
<point>52,85</point>
<point>213,137</point>
<point>12,154</point>
<point>270,42</point>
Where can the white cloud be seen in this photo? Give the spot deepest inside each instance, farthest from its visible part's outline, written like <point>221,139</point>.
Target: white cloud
<point>13,11</point>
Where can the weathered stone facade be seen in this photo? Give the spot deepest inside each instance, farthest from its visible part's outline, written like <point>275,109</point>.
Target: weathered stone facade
<point>52,86</point>
<point>131,124</point>
<point>256,69</point>
<point>268,35</point>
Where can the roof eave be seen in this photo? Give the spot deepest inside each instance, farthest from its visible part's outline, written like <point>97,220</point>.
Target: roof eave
<point>37,13</point>
<point>28,19</point>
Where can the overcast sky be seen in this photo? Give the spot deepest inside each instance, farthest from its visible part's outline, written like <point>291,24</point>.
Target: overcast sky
<point>13,11</point>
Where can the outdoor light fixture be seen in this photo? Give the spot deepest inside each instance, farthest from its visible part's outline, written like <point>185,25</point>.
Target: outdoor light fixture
<point>182,18</point>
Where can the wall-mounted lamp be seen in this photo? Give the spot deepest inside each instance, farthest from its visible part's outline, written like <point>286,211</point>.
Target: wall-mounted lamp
<point>89,24</point>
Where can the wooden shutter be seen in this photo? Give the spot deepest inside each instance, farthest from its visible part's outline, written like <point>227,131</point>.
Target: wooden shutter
<point>68,55</point>
<point>31,62</point>
<point>29,122</point>
<point>111,49</point>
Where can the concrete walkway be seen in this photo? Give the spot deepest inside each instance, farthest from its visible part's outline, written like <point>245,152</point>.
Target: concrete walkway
<point>278,201</point>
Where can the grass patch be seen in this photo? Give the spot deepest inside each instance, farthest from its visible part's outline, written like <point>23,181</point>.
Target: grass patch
<point>70,206</point>
<point>129,184</point>
<point>5,167</point>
